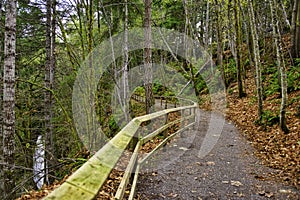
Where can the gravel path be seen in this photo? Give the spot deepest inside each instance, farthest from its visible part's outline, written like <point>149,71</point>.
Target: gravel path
<point>228,171</point>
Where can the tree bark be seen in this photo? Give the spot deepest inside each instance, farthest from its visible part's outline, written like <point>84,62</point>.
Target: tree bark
<point>293,29</point>
<point>220,42</point>
<point>9,100</point>
<point>49,83</point>
<point>1,95</point>
<point>125,66</point>
<point>238,49</point>
<point>90,26</point>
<point>281,65</point>
<point>284,14</point>
<point>206,31</point>
<point>147,57</point>
<point>297,34</point>
<point>256,60</point>
<point>47,97</point>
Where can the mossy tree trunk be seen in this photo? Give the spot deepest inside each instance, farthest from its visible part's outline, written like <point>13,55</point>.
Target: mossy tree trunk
<point>281,65</point>
<point>49,83</point>
<point>126,67</point>
<point>295,24</point>
<point>218,7</point>
<point>238,48</point>
<point>147,57</point>
<point>257,61</point>
<point>1,94</point>
<point>9,100</point>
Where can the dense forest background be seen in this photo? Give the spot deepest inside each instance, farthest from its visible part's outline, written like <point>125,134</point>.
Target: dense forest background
<point>255,45</point>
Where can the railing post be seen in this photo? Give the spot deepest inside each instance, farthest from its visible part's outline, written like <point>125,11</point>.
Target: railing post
<point>134,141</point>
<point>165,133</point>
<point>195,118</point>
<point>166,103</point>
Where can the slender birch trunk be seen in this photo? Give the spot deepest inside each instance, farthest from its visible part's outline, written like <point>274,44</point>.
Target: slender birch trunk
<point>98,5</point>
<point>206,40</point>
<point>220,41</point>
<point>90,26</point>
<point>256,60</point>
<point>147,56</point>
<point>238,48</point>
<point>248,38</point>
<point>230,30</point>
<point>281,65</point>
<point>284,14</point>
<point>125,66</point>
<point>293,29</point>
<point>1,95</point>
<point>9,100</point>
<point>297,33</point>
<point>48,96</point>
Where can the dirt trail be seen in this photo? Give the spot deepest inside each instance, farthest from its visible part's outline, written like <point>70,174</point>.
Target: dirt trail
<point>229,171</point>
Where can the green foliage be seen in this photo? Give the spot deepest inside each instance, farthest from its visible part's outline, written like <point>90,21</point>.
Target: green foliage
<point>269,118</point>
<point>140,91</point>
<point>69,166</point>
<point>137,109</point>
<point>230,71</point>
<point>160,90</point>
<point>173,11</point>
<point>273,85</point>
<point>293,78</point>
<point>113,127</point>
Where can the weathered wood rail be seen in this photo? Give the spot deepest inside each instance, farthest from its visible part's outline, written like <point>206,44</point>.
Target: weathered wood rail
<point>86,182</point>
<point>165,101</point>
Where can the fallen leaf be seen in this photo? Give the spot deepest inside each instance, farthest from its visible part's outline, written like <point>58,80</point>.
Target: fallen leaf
<point>269,194</point>
<point>236,183</point>
<point>183,148</point>
<point>209,163</point>
<point>285,191</point>
<point>172,195</point>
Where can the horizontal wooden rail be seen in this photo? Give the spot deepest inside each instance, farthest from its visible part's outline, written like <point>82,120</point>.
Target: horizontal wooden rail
<point>164,100</point>
<point>86,182</point>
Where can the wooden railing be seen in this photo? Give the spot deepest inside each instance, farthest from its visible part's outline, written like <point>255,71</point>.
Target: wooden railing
<point>164,101</point>
<point>86,182</point>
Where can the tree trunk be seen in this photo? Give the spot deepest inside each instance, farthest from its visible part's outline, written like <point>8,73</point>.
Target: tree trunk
<point>47,98</point>
<point>284,14</point>
<point>248,37</point>
<point>220,42</point>
<point>147,57</point>
<point>125,66</point>
<point>98,5</point>
<point>1,95</point>
<point>9,100</point>
<point>238,49</point>
<point>49,83</point>
<point>256,60</point>
<point>297,34</point>
<point>206,31</point>
<point>80,31</point>
<point>281,65</point>
<point>293,29</point>
<point>90,26</point>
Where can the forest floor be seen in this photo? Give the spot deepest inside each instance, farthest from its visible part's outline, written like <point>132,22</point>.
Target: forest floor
<point>264,165</point>
<point>275,148</point>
